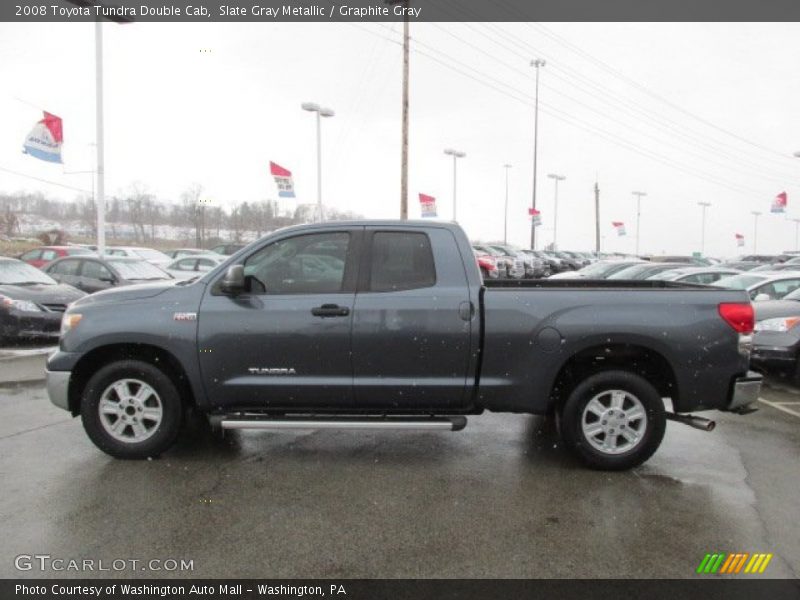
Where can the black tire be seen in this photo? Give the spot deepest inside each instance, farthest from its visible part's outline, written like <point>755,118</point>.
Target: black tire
<point>160,436</point>
<point>650,431</point>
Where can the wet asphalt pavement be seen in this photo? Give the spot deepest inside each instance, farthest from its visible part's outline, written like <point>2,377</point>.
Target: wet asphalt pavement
<point>499,499</point>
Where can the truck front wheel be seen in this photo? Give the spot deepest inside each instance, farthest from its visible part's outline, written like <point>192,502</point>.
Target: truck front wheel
<point>131,409</point>
<point>614,420</point>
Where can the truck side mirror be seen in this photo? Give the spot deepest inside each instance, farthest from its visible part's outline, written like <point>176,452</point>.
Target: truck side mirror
<point>233,282</point>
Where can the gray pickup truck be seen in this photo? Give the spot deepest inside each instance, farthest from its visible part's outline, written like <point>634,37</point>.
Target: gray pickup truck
<point>387,324</point>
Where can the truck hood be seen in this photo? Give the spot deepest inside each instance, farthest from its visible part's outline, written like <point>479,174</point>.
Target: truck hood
<point>126,293</point>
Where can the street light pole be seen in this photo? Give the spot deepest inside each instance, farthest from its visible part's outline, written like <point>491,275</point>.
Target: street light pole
<point>638,215</point>
<point>796,233</point>
<point>456,155</point>
<point>320,112</point>
<point>704,206</point>
<point>537,63</point>
<point>100,201</point>
<point>505,213</point>
<point>755,214</point>
<point>556,179</point>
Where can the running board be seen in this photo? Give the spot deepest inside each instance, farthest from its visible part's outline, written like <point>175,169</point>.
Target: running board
<point>426,424</point>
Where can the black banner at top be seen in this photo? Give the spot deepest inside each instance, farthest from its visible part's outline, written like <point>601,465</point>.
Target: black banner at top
<point>274,11</point>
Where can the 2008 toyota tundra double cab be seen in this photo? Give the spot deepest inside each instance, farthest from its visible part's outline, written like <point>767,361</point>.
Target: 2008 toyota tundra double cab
<point>389,325</point>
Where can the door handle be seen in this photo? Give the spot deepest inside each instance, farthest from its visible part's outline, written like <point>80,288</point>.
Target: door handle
<point>330,310</point>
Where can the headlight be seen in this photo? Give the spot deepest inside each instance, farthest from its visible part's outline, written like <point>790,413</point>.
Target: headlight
<point>23,305</point>
<point>69,321</point>
<point>781,325</point>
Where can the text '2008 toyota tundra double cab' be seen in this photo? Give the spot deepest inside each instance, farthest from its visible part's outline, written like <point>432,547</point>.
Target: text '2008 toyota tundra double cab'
<point>388,325</point>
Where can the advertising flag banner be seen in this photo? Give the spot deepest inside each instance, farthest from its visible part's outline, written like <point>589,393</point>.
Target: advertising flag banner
<point>739,239</point>
<point>620,227</point>
<point>283,179</point>
<point>779,204</point>
<point>45,139</point>
<point>535,216</point>
<point>427,205</point>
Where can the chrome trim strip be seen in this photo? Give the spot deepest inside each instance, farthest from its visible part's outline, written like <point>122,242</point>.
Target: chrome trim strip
<point>445,425</point>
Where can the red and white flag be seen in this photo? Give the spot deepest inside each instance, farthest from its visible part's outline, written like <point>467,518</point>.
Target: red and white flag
<point>283,179</point>
<point>779,204</point>
<point>45,139</point>
<point>619,226</point>
<point>739,239</point>
<point>427,205</point>
<point>535,216</point>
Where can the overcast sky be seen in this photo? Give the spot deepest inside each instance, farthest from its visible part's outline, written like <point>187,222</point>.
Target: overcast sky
<point>684,112</point>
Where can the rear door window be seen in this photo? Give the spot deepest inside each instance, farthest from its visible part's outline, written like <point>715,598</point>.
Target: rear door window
<point>401,260</point>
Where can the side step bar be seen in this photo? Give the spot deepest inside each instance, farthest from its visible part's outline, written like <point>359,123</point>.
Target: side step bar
<point>456,423</point>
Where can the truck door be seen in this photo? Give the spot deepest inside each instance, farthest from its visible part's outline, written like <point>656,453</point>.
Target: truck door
<point>412,321</point>
<point>285,343</point>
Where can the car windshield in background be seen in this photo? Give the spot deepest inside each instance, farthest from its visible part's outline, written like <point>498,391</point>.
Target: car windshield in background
<point>739,282</point>
<point>20,273</point>
<point>631,272</point>
<point>599,269</point>
<point>77,250</point>
<point>134,270</point>
<point>149,254</point>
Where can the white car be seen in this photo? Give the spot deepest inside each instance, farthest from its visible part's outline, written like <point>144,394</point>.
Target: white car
<point>701,275</point>
<point>187,267</point>
<point>154,257</point>
<point>763,285</point>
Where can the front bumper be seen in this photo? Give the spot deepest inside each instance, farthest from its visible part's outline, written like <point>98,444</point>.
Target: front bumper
<point>58,388</point>
<point>745,391</point>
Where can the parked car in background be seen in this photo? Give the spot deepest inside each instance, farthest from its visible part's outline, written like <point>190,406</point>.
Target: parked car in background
<point>227,249</point>
<point>776,342</point>
<point>570,262</point>
<point>31,302</point>
<point>188,267</point>
<point>765,258</point>
<point>764,285</point>
<point>521,265</point>
<point>691,260</point>
<point>701,275</point>
<point>154,257</point>
<point>787,266</point>
<point>93,274</point>
<point>643,271</point>
<point>578,257</point>
<point>602,269</point>
<point>552,264</point>
<point>742,265</point>
<point>533,265</point>
<point>38,257</point>
<point>178,252</point>
<point>508,266</point>
<point>487,264</point>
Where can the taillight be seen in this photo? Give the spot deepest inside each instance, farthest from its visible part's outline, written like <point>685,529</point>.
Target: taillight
<point>740,316</point>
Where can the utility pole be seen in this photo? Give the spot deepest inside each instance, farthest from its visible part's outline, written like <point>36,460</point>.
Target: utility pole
<point>755,214</point>
<point>596,217</point>
<point>555,178</point>
<point>404,126</point>
<point>638,215</point>
<point>505,213</point>
<point>537,64</point>
<point>704,206</point>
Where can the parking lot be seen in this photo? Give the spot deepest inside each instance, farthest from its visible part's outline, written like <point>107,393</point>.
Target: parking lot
<point>499,499</point>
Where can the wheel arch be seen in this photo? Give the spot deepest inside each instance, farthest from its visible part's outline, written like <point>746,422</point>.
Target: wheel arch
<point>101,356</point>
<point>633,357</point>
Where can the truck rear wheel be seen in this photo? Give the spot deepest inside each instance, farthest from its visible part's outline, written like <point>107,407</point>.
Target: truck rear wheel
<point>614,420</point>
<point>131,409</point>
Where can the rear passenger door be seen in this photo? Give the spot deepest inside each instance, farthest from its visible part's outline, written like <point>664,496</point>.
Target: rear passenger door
<point>412,321</point>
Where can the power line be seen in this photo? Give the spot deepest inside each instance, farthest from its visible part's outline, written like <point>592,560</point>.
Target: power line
<point>69,187</point>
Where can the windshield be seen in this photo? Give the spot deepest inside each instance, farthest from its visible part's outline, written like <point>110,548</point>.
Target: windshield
<point>137,270</point>
<point>739,282</point>
<point>20,273</point>
<point>631,272</point>
<point>78,250</point>
<point>150,254</point>
<point>601,269</point>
